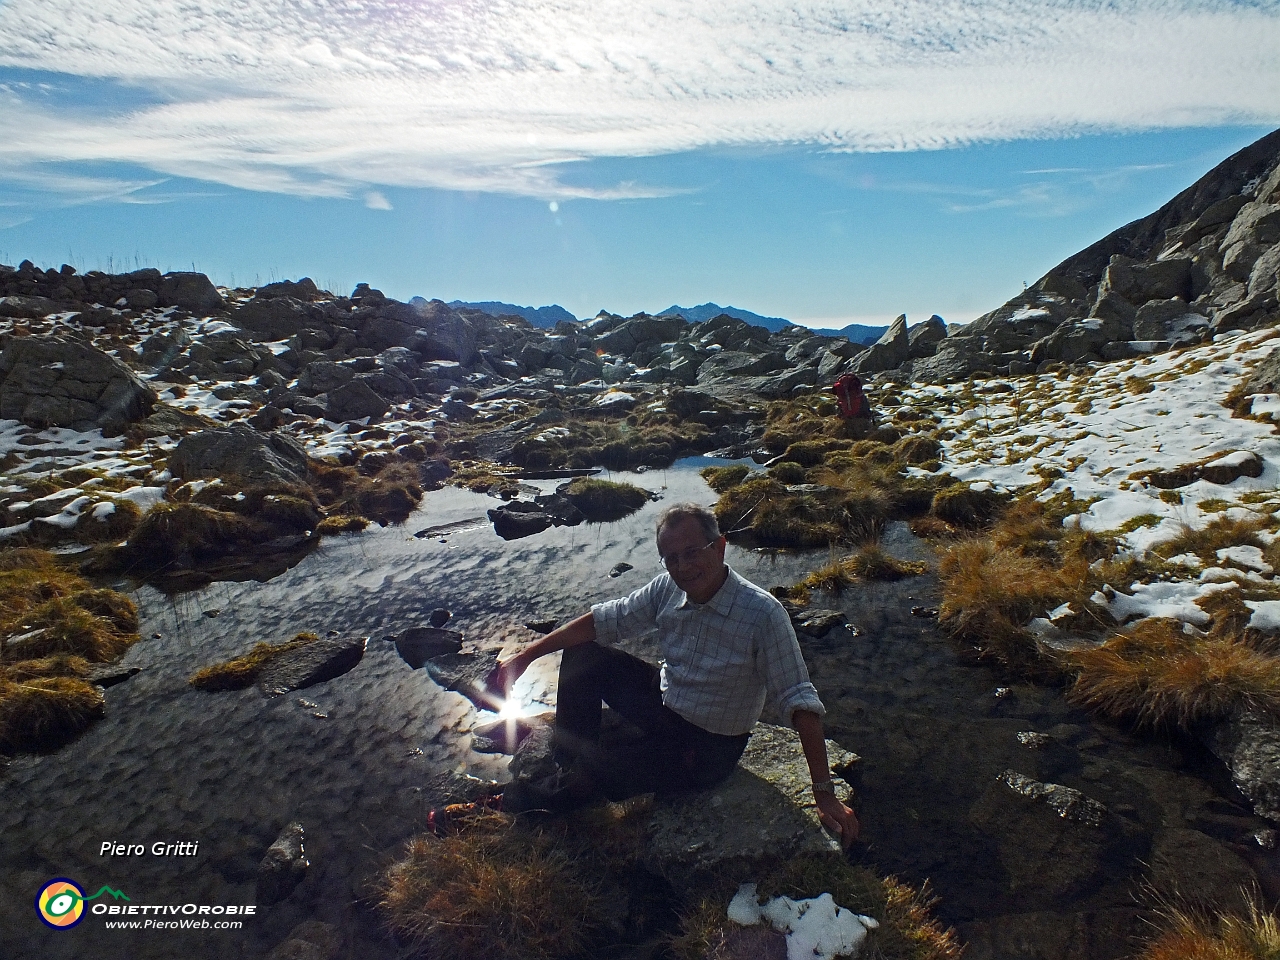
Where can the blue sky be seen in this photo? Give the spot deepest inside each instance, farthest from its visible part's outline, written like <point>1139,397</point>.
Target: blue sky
<point>828,163</point>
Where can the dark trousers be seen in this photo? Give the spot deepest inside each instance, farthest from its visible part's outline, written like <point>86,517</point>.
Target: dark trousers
<point>670,754</point>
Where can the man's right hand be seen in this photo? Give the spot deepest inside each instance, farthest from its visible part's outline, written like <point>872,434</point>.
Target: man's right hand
<point>504,676</point>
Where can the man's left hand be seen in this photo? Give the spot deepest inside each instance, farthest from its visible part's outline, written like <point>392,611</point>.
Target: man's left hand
<point>837,818</point>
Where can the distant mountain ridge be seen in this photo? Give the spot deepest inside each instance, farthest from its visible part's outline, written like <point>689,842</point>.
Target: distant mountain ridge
<point>708,311</point>
<point>855,332</point>
<point>543,317</point>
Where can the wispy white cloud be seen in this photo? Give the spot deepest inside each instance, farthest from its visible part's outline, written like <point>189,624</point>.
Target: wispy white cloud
<point>337,98</point>
<point>374,200</point>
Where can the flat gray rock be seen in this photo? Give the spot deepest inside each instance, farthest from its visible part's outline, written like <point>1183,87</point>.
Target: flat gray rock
<point>764,810</point>
<point>312,664</point>
<point>417,645</point>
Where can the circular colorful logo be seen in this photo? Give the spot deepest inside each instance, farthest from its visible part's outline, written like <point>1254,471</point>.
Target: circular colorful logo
<point>60,903</point>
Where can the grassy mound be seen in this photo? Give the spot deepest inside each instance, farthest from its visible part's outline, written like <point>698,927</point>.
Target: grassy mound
<point>53,626</point>
<point>963,506</point>
<point>721,479</point>
<point>871,562</point>
<point>601,500</point>
<point>387,496</point>
<point>45,713</point>
<point>242,671</point>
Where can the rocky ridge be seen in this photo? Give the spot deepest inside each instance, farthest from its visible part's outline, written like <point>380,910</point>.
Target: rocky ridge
<point>1204,263</point>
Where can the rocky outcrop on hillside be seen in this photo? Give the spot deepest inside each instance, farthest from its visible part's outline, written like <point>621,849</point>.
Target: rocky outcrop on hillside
<point>1208,261</point>
<point>54,382</point>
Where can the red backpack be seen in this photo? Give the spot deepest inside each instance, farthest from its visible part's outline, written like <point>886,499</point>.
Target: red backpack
<point>848,391</point>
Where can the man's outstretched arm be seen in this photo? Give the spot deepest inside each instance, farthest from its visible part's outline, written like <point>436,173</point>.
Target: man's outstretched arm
<point>833,814</point>
<point>577,631</point>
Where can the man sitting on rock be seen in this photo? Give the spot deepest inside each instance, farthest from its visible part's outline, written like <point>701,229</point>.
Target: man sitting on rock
<point>727,647</point>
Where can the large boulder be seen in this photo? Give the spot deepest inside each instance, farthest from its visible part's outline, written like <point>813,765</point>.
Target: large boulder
<point>888,353</point>
<point>764,812</point>
<point>274,318</point>
<point>923,338</point>
<point>626,337</point>
<point>304,289</point>
<point>956,357</point>
<point>239,453</point>
<point>1079,340</point>
<point>54,382</point>
<point>321,376</point>
<point>190,291</point>
<point>355,400</point>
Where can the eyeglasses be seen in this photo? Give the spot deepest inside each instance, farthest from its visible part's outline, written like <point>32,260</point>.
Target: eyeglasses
<point>686,557</point>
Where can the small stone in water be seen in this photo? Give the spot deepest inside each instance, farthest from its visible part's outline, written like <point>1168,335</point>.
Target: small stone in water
<point>212,613</point>
<point>1029,738</point>
<point>439,617</point>
<point>620,569</point>
<point>1266,839</point>
<point>929,612</point>
<point>156,636</point>
<point>1002,692</point>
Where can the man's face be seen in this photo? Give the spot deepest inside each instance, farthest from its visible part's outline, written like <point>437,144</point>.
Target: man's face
<point>694,564</point>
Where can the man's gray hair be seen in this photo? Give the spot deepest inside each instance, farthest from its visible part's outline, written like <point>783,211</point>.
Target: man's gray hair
<point>706,519</point>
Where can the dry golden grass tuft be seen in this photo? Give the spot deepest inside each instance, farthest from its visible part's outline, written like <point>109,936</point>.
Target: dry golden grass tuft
<point>872,562</point>
<point>833,577</point>
<point>45,713</point>
<point>1158,675</point>
<point>989,594</point>
<point>497,889</point>
<point>1218,533</point>
<point>963,506</point>
<point>1189,934</point>
<point>242,671</point>
<point>330,526</point>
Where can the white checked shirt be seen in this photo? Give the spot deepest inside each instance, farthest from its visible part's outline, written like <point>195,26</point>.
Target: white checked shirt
<point>721,659</point>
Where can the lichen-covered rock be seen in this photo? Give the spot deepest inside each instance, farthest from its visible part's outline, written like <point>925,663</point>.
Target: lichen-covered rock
<point>763,812</point>
<point>54,382</point>
<point>239,453</point>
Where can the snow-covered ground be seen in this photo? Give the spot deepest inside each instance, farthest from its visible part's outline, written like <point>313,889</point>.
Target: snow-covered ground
<point>1097,433</point>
